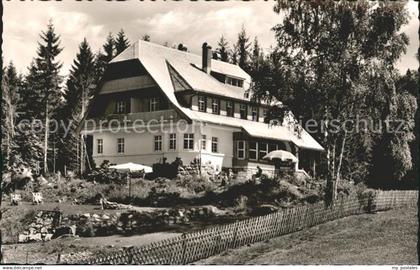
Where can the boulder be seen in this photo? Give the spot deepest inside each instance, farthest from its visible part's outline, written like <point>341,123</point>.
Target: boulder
<point>22,238</point>
<point>64,231</point>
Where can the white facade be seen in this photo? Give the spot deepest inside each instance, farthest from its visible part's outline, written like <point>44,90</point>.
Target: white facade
<point>140,147</point>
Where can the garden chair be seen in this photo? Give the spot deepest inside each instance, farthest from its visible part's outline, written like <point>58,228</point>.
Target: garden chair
<point>37,198</point>
<point>15,199</point>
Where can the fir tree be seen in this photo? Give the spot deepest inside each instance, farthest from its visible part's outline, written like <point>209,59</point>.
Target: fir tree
<point>257,57</point>
<point>242,47</point>
<point>80,88</point>
<point>109,48</point>
<point>121,42</point>
<point>48,81</point>
<point>223,49</point>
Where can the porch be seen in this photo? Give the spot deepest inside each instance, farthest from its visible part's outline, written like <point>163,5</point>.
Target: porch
<point>249,152</point>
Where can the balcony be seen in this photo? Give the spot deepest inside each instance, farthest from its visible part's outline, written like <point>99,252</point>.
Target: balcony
<point>143,118</point>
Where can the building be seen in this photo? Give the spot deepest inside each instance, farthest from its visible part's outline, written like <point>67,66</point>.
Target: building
<point>178,104</point>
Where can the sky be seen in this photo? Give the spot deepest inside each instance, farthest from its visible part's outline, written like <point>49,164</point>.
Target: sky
<point>190,23</point>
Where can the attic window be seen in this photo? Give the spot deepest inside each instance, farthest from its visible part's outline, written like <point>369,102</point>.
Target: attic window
<point>234,82</point>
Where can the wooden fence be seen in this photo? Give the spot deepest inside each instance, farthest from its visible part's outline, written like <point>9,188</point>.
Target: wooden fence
<point>190,247</point>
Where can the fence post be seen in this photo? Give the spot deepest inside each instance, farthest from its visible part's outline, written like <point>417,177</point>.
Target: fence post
<point>235,235</point>
<point>184,247</point>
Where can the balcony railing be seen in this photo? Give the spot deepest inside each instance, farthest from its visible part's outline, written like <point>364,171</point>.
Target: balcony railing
<point>151,118</point>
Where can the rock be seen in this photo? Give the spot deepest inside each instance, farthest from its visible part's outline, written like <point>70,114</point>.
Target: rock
<point>106,217</point>
<point>48,236</point>
<point>65,231</point>
<point>87,215</point>
<point>35,237</point>
<point>22,238</point>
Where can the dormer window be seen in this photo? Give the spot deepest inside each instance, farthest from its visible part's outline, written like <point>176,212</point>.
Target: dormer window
<point>121,107</point>
<point>202,103</point>
<point>154,104</point>
<point>215,106</point>
<point>234,82</point>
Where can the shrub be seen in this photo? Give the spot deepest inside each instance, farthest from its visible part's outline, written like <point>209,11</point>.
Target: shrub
<point>105,175</point>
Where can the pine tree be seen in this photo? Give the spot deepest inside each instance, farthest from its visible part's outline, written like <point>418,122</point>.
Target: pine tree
<point>109,48</point>
<point>223,49</point>
<point>257,57</point>
<point>102,59</point>
<point>146,37</point>
<point>121,42</point>
<point>80,88</point>
<point>26,148</point>
<point>48,82</point>
<point>242,47</point>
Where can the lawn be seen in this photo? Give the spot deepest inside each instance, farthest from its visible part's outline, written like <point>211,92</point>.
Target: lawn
<point>383,238</point>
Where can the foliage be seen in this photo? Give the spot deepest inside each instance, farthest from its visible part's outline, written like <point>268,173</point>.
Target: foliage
<point>335,61</point>
<point>80,88</point>
<point>105,175</point>
<point>222,50</point>
<point>121,42</point>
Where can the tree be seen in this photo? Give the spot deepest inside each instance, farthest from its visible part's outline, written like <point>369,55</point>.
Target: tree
<point>102,59</point>
<point>257,58</point>
<point>327,56</point>
<point>121,42</point>
<point>81,85</point>
<point>109,48</point>
<point>181,47</point>
<point>223,49</point>
<point>146,37</point>
<point>26,148</point>
<point>242,47</point>
<point>46,83</point>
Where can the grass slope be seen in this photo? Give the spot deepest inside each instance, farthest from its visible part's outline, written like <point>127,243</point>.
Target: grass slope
<point>382,238</point>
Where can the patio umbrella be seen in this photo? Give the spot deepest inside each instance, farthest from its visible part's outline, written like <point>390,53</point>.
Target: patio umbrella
<point>282,155</point>
<point>132,167</point>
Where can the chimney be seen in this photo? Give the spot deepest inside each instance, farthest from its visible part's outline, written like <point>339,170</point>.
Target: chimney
<point>206,58</point>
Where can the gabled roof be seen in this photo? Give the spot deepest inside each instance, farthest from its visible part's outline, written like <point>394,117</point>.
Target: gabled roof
<point>160,61</point>
<point>187,65</point>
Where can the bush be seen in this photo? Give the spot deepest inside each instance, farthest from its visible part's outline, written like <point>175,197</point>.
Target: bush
<point>105,175</point>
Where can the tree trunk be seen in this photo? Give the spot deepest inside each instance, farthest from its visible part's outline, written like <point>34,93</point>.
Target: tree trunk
<point>340,160</point>
<point>46,139</point>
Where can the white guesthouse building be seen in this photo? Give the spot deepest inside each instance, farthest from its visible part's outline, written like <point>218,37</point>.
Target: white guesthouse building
<point>193,107</point>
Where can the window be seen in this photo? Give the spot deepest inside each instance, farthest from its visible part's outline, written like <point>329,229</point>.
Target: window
<point>214,143</point>
<point>272,147</point>
<point>158,143</point>
<point>240,150</point>
<point>121,106</point>
<point>254,113</point>
<point>243,111</point>
<point>202,103</point>
<point>234,82</point>
<point>189,141</point>
<point>215,108</point>
<point>172,141</point>
<point>253,150</point>
<point>120,145</point>
<point>100,145</point>
<point>203,142</point>
<point>229,108</point>
<point>154,104</point>
<point>262,147</point>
